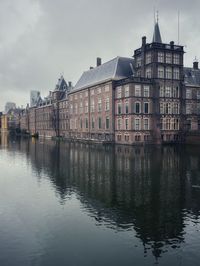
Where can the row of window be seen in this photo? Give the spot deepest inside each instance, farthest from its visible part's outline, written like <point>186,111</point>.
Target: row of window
<point>167,91</point>
<point>167,73</point>
<point>169,108</point>
<point>137,138</point>
<point>169,124</point>
<point>190,95</point>
<point>84,123</point>
<point>136,108</point>
<point>192,108</point>
<point>99,90</point>
<point>74,108</point>
<point>162,57</point>
<point>139,124</point>
<point>137,92</point>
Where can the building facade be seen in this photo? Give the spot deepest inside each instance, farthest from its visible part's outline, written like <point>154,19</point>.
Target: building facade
<point>150,98</point>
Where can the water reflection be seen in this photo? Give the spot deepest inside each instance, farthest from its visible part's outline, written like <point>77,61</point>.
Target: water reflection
<point>151,190</point>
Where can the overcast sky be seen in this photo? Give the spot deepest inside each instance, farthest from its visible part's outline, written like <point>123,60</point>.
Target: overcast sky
<point>39,39</point>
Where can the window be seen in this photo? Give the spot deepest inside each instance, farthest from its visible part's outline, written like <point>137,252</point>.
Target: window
<point>198,108</point>
<point>168,92</point>
<point>162,91</point>
<point>138,61</point>
<point>126,107</point>
<point>86,107</point>
<point>100,125</point>
<point>137,90</point>
<point>119,108</point>
<point>175,92</point>
<point>160,57</point>
<point>137,108</point>
<point>126,123</point>
<point>107,122</point>
<point>137,138</point>
<point>188,108</point>
<point>107,88</point>
<point>148,73</point>
<point>80,95</point>
<point>168,73</point>
<point>188,94</point>
<point>119,92</point>
<point>160,72</point>
<point>93,122</point>
<point>175,108</point>
<point>71,108</point>
<point>176,59</point>
<point>146,108</point>
<point>86,94</point>
<point>137,124</point>
<point>81,107</point>
<point>98,90</point>
<point>126,138</point>
<point>176,73</point>
<point>99,105</point>
<point>126,90</point>
<point>107,104</point>
<point>76,108</point>
<point>146,91</point>
<point>198,94</point>
<point>168,58</point>
<point>119,124</point>
<point>148,58</point>
<point>86,122</point>
<point>146,124</point>
<point>92,92</point>
<point>161,108</point>
<point>92,105</point>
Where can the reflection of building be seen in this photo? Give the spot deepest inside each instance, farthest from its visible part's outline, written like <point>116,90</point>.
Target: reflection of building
<point>130,188</point>
<point>150,98</point>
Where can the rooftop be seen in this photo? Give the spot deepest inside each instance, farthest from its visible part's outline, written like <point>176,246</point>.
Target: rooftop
<point>115,69</point>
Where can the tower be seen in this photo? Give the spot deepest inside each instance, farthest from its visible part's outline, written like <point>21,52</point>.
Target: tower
<point>163,64</point>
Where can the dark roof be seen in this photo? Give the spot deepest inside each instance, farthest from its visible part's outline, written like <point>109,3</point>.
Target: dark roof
<point>192,76</point>
<point>115,69</point>
<point>156,34</point>
<point>61,84</point>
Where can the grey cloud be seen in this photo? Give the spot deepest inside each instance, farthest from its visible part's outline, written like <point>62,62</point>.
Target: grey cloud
<point>39,39</point>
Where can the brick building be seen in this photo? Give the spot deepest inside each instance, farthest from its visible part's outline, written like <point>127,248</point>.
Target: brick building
<point>150,98</point>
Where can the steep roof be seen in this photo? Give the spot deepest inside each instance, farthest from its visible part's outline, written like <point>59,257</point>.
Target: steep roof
<point>156,35</point>
<point>115,69</point>
<point>61,84</point>
<point>192,76</point>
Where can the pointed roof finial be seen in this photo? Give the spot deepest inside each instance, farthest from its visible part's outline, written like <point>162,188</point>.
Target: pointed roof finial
<point>157,16</point>
<point>156,34</point>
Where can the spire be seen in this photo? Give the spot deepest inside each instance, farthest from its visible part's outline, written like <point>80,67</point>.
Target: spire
<point>156,34</point>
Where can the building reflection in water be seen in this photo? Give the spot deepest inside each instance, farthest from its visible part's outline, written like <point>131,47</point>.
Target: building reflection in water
<point>147,189</point>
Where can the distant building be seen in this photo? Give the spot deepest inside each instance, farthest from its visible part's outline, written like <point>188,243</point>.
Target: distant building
<point>34,98</point>
<point>9,105</point>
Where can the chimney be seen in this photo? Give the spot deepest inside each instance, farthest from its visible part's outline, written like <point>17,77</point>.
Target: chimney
<point>144,38</point>
<point>196,64</point>
<point>91,68</point>
<point>172,44</point>
<point>70,84</point>
<point>98,61</point>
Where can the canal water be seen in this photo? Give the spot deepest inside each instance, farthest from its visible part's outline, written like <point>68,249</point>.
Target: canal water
<point>77,204</point>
